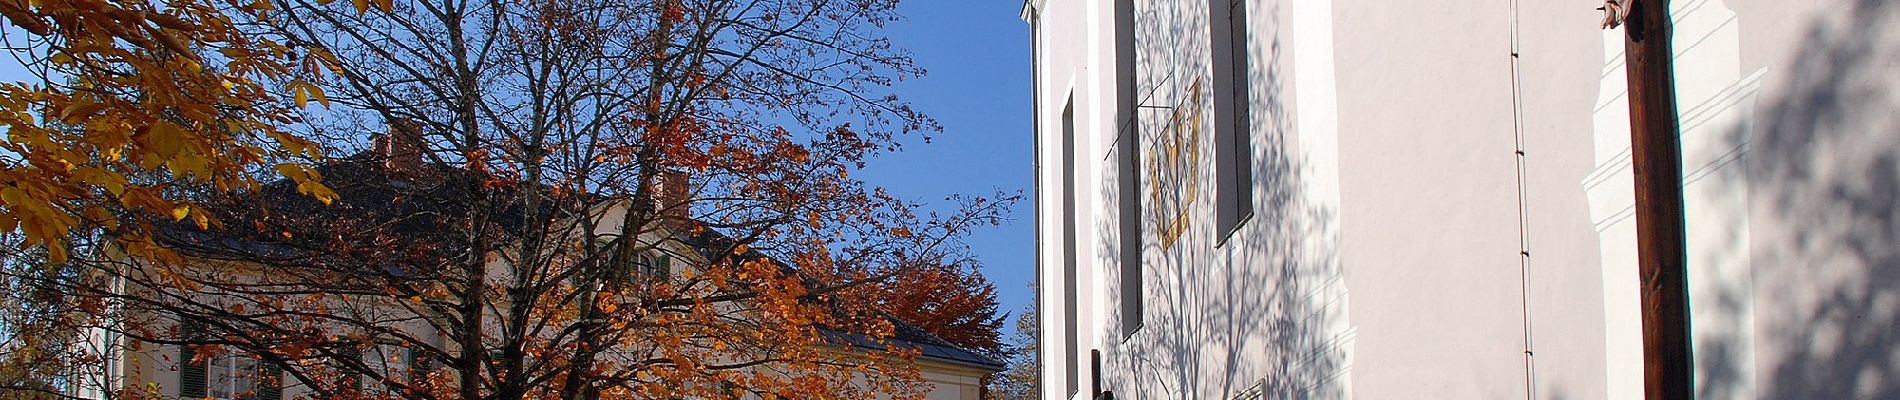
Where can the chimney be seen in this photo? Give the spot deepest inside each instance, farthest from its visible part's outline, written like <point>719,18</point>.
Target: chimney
<point>401,149</point>
<point>672,193</point>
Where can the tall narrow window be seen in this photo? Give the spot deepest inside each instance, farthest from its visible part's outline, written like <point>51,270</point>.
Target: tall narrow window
<point>1068,244</point>
<point>1127,157</point>
<point>1233,149</point>
<point>386,361</point>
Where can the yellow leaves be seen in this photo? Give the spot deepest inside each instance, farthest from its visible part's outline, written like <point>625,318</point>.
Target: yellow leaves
<point>607,304</point>
<point>190,164</point>
<point>183,210</point>
<point>302,92</point>
<point>43,222</point>
<point>317,190</point>
<point>298,147</point>
<point>113,182</point>
<point>328,60</point>
<point>309,182</point>
<point>165,139</point>
<point>144,198</point>
<point>172,43</point>
<point>78,143</point>
<point>100,215</point>
<point>79,111</point>
<point>171,22</point>
<point>364,5</point>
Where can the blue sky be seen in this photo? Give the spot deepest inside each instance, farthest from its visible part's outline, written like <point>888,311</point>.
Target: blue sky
<point>977,55</point>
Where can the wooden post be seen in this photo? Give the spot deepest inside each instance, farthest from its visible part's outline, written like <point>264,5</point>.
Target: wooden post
<point>1657,153</point>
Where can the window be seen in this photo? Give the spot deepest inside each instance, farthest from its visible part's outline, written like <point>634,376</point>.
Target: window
<point>231,377</point>
<point>655,266</point>
<point>387,361</point>
<point>1127,157</point>
<point>228,375</point>
<point>1233,149</point>
<point>649,266</point>
<point>1068,243</point>
<point>1095,374</point>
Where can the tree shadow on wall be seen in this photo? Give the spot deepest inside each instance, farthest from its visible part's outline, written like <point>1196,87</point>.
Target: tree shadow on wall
<point>1824,174</point>
<point>1247,316</point>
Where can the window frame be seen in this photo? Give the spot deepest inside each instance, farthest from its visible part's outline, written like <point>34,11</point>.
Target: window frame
<point>227,372</point>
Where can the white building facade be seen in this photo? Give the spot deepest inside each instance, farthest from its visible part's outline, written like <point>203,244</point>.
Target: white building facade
<point>1433,199</point>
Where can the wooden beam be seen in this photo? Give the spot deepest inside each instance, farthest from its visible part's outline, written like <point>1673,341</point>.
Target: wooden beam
<point>1657,153</point>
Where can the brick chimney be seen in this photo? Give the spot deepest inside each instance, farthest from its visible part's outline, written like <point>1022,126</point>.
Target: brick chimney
<point>671,192</point>
<point>401,148</point>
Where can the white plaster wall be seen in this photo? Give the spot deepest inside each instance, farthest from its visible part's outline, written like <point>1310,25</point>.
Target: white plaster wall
<point>952,384</point>
<point>1822,174</point>
<point>1559,69</point>
<point>1386,137</point>
<point>1266,310</point>
<point>1427,186</point>
<point>1067,48</point>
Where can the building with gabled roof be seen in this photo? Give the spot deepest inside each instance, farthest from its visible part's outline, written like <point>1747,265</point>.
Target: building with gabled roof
<point>384,193</point>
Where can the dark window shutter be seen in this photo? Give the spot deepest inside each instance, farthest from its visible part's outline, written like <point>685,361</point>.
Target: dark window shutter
<point>419,364</point>
<point>664,268</point>
<point>191,375</point>
<point>270,381</point>
<point>350,376</point>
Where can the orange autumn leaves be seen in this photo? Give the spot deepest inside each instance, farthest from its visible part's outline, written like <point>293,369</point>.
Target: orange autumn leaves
<point>958,306</point>
<point>135,98</point>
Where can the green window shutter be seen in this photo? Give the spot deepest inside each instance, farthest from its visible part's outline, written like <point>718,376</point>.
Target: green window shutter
<point>270,381</point>
<point>350,376</point>
<point>664,268</point>
<point>419,364</point>
<point>191,375</point>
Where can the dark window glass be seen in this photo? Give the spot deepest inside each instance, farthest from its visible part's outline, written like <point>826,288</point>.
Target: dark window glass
<point>1068,244</point>
<point>1233,148</point>
<point>1127,158</point>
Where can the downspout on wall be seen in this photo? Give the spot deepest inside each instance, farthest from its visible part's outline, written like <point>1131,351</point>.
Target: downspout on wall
<point>1029,15</point>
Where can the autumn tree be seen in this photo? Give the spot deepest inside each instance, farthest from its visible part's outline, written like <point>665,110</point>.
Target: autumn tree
<point>534,162</point>
<point>128,99</point>
<point>123,103</point>
<point>1023,379</point>
<point>954,303</point>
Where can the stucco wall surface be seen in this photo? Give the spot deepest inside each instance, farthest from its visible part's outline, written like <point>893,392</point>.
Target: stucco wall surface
<point>1442,201</point>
